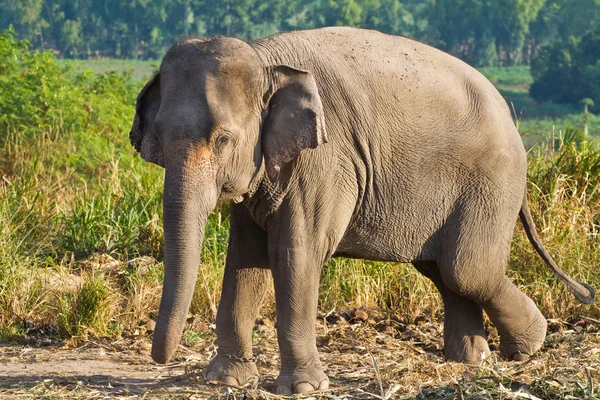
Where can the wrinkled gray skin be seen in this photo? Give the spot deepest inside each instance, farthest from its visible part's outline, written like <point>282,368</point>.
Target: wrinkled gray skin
<point>335,142</point>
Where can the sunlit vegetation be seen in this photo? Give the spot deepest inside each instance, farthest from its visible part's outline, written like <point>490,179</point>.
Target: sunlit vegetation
<point>80,214</point>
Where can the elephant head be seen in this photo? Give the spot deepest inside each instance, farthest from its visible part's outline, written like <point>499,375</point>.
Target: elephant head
<point>210,117</point>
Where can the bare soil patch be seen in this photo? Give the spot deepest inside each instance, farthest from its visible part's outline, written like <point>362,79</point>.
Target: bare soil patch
<point>366,355</point>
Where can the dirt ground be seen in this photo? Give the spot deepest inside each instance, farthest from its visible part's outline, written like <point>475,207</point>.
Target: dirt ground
<point>364,354</point>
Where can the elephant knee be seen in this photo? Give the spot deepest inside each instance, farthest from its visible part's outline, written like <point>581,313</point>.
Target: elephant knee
<point>476,285</point>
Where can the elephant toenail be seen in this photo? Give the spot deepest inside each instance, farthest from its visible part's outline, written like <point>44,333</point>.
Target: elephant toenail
<point>304,387</point>
<point>230,380</point>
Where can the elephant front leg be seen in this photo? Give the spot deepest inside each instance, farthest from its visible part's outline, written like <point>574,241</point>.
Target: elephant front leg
<point>245,284</point>
<point>296,278</point>
<point>242,296</point>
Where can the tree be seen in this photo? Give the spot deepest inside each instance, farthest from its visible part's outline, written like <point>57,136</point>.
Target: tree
<point>568,72</point>
<point>510,21</point>
<point>482,32</point>
<point>26,17</point>
<point>485,32</point>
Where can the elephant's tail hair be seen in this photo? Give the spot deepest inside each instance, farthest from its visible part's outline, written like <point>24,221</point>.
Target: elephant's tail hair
<point>582,291</point>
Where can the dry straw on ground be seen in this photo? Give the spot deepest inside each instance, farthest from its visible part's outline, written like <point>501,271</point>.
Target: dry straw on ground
<point>367,354</point>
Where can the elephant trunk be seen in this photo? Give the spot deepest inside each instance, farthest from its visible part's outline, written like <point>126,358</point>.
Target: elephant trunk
<point>187,201</point>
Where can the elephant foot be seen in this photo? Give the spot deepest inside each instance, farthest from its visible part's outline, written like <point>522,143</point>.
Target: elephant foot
<point>471,350</point>
<point>234,371</point>
<point>518,347</point>
<point>301,381</point>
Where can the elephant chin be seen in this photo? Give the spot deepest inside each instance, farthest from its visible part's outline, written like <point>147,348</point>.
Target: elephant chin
<point>185,211</point>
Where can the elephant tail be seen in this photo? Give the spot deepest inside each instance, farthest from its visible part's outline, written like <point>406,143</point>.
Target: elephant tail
<point>582,291</point>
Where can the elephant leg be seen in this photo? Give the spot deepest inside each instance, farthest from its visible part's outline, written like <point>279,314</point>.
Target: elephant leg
<point>245,284</point>
<point>296,279</point>
<point>472,265</point>
<point>464,332</point>
<point>298,247</point>
<point>521,325</point>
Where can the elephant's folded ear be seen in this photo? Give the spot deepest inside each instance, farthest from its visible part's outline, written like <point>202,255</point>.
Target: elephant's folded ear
<point>143,135</point>
<point>295,119</point>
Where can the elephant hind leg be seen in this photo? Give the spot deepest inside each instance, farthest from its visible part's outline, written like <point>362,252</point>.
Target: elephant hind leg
<point>521,325</point>
<point>464,333</point>
<point>472,266</point>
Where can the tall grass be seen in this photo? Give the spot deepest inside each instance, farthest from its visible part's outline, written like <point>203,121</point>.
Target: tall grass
<point>80,216</point>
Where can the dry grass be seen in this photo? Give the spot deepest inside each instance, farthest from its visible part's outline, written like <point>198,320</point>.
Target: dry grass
<point>380,357</point>
<point>45,289</point>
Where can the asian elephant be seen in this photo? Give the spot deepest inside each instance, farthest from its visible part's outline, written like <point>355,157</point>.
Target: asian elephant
<point>336,142</point>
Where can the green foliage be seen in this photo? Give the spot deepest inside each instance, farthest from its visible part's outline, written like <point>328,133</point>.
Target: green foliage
<point>34,83</point>
<point>47,97</point>
<point>87,309</point>
<point>68,125</point>
<point>508,76</point>
<point>392,16</point>
<point>483,32</point>
<point>71,187</point>
<point>561,19</point>
<point>389,286</point>
<point>539,120</point>
<point>140,70</point>
<point>568,72</point>
<point>118,218</point>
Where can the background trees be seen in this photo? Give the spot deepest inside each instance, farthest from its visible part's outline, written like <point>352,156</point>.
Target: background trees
<point>558,38</point>
<point>568,71</point>
<point>483,32</point>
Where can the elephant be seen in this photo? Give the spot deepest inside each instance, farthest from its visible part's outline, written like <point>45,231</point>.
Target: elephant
<point>336,142</point>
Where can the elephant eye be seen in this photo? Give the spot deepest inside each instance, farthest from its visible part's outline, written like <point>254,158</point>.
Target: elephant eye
<point>223,141</point>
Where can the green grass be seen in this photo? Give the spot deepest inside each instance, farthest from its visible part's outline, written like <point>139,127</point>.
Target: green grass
<point>536,120</point>
<point>139,69</point>
<point>80,215</point>
<point>88,308</point>
<point>508,76</point>
<point>542,118</point>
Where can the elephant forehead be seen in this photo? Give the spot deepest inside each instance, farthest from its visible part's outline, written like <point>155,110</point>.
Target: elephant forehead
<point>225,72</point>
<point>230,95</point>
<point>199,102</point>
<point>228,59</point>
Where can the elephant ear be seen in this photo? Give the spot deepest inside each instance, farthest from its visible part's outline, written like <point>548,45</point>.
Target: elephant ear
<point>295,119</point>
<point>143,135</point>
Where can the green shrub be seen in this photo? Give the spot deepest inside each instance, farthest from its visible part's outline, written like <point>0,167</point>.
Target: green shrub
<point>513,76</point>
<point>88,309</point>
<point>78,118</point>
<point>121,218</point>
<point>70,186</point>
